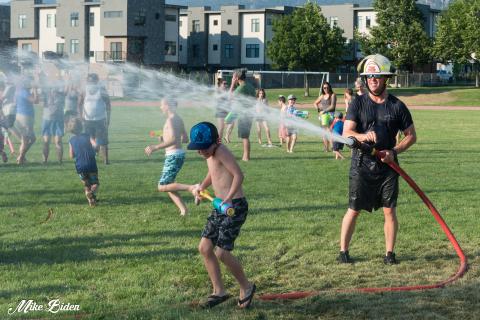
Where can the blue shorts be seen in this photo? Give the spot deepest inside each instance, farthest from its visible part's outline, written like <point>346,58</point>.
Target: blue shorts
<point>171,167</point>
<point>52,128</point>
<point>89,178</point>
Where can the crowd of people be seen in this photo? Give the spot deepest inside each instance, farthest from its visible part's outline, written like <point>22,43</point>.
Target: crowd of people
<point>373,116</point>
<point>84,110</point>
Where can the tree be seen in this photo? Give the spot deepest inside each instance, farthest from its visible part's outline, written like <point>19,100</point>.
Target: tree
<point>398,35</point>
<point>457,37</point>
<point>305,41</point>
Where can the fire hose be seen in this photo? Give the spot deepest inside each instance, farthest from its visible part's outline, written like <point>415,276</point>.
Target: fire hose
<point>365,148</point>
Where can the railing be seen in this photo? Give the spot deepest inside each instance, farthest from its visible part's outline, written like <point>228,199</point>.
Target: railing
<point>45,2</point>
<point>110,56</point>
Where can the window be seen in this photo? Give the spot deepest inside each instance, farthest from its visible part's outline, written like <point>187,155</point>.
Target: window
<point>22,21</point>
<point>74,46</point>
<point>229,21</point>
<point>215,47</point>
<point>269,22</point>
<point>333,22</point>
<point>74,19</point>
<point>360,22</point>
<point>180,23</point>
<point>170,17</point>
<point>196,25</point>
<point>91,19</point>
<point>228,51</point>
<point>116,50</point>
<point>170,48</point>
<point>253,50</point>
<point>113,14</point>
<point>26,46</point>
<point>51,21</point>
<point>91,54</point>
<point>368,22</point>
<point>215,22</point>
<point>4,27</point>
<point>180,48</point>
<point>157,16</point>
<point>60,48</point>
<point>255,27</point>
<point>195,50</point>
<point>141,18</point>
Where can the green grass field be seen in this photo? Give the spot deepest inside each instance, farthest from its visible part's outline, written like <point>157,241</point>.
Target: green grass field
<point>134,257</point>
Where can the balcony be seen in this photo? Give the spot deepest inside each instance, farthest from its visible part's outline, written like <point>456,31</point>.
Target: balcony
<point>110,56</point>
<point>40,2</point>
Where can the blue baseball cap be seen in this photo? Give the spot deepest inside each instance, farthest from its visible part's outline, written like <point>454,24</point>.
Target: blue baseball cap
<point>202,136</point>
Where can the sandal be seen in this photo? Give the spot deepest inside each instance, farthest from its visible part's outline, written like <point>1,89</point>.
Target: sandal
<point>214,300</point>
<point>247,301</point>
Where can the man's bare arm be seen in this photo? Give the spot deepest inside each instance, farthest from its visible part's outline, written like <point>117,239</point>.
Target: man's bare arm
<point>409,139</point>
<point>349,131</point>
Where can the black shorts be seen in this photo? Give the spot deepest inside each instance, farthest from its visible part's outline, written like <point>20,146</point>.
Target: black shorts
<point>337,146</point>
<point>97,129</point>
<point>373,184</point>
<point>221,229</point>
<point>244,126</point>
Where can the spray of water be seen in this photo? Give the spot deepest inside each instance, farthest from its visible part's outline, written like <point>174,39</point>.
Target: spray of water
<point>142,84</point>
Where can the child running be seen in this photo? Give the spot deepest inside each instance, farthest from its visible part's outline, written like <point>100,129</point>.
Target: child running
<point>81,149</point>
<point>174,135</point>
<point>337,128</point>
<point>220,232</point>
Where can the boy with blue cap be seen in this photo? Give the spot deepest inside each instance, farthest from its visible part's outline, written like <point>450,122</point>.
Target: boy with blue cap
<point>221,230</point>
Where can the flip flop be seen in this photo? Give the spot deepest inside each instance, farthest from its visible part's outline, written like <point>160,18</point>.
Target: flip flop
<point>214,300</point>
<point>248,299</point>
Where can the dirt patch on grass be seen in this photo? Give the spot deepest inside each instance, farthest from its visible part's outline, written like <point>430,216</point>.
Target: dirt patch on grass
<point>434,99</point>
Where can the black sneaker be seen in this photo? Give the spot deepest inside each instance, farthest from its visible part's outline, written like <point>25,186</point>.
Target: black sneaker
<point>344,257</point>
<point>390,258</point>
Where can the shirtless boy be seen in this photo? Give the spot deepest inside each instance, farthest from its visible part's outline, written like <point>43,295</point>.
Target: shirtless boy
<point>218,237</point>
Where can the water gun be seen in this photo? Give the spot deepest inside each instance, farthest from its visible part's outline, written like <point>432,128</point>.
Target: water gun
<point>231,116</point>
<point>156,133</point>
<point>301,114</point>
<point>226,208</point>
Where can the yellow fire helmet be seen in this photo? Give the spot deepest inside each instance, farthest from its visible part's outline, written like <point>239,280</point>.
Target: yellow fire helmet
<point>376,64</point>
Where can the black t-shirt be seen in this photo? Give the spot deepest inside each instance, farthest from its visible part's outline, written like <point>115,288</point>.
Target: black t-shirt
<point>386,119</point>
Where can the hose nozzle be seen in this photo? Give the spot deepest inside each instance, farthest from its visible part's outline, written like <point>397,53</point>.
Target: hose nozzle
<point>363,147</point>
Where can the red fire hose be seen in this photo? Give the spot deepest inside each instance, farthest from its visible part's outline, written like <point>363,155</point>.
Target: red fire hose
<point>463,259</point>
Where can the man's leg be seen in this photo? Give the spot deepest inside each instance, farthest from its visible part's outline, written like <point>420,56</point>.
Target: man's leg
<point>213,267</point>
<point>348,227</point>
<point>104,153</point>
<point>59,148</point>
<point>246,149</point>
<point>46,148</point>
<point>390,228</point>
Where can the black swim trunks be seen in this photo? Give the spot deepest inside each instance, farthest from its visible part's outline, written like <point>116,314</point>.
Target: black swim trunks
<point>373,184</point>
<point>222,229</point>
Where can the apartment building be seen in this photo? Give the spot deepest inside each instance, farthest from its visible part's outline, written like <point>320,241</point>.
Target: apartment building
<point>138,31</point>
<point>231,37</point>
<point>4,26</point>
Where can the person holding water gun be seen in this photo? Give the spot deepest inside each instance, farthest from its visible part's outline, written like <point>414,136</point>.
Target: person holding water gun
<point>221,230</point>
